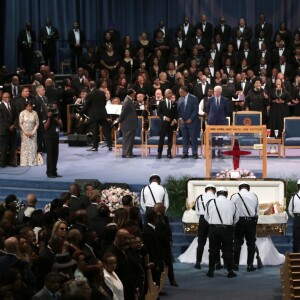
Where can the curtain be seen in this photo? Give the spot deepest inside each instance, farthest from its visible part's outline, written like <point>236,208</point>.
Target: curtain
<point>131,16</point>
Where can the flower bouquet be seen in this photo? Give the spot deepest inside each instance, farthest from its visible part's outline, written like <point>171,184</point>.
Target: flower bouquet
<point>112,197</point>
<point>238,173</point>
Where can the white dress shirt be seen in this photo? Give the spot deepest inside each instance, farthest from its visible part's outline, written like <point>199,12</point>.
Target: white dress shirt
<point>160,195</point>
<point>227,210</point>
<point>77,36</point>
<point>250,200</point>
<point>294,205</point>
<point>199,207</point>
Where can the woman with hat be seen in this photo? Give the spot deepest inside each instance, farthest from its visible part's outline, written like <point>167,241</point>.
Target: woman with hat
<point>64,265</point>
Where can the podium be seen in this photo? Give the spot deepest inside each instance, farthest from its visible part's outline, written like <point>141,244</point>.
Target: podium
<point>233,141</point>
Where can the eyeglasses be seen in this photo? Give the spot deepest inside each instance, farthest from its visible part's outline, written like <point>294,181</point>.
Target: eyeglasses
<point>63,228</point>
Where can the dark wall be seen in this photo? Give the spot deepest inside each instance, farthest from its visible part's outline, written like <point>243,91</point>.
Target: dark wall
<point>132,16</point>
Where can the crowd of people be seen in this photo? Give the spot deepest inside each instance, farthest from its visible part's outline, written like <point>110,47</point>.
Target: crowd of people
<point>256,69</point>
<point>79,249</point>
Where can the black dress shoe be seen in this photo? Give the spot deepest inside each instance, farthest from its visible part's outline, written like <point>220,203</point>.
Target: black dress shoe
<point>158,156</point>
<point>174,283</point>
<point>184,156</point>
<point>250,268</point>
<point>109,148</point>
<point>169,156</point>
<point>58,175</point>
<point>219,267</point>
<point>210,274</point>
<point>51,176</point>
<point>197,266</point>
<point>93,149</point>
<point>195,156</point>
<point>163,294</point>
<point>12,165</point>
<point>231,274</point>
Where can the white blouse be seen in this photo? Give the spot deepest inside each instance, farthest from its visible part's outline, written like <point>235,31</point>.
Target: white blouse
<point>114,283</point>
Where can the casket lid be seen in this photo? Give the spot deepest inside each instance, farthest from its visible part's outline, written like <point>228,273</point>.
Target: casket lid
<point>267,190</point>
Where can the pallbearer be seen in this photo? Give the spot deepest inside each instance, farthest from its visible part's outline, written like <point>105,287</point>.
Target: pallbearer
<point>200,207</point>
<point>294,211</point>
<point>221,214</point>
<point>248,206</point>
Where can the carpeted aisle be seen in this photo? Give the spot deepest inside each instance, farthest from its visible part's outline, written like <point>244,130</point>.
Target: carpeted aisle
<point>194,284</point>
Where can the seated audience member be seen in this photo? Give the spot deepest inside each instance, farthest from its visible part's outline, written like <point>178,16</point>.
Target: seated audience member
<point>111,278</point>
<point>51,287</point>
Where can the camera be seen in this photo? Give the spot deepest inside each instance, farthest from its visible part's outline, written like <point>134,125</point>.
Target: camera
<point>52,108</point>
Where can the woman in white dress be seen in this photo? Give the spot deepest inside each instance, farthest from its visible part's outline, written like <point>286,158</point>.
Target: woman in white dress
<point>29,123</point>
<point>111,278</point>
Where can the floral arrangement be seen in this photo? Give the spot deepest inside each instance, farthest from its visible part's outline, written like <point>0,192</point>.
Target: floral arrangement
<point>243,173</point>
<point>112,197</point>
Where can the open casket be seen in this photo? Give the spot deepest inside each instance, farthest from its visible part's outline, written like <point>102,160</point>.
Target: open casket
<point>271,196</point>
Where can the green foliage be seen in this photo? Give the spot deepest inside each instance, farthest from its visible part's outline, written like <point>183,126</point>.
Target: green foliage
<point>291,188</point>
<point>176,188</point>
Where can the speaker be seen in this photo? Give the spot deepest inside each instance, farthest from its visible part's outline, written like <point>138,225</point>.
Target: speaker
<point>77,140</point>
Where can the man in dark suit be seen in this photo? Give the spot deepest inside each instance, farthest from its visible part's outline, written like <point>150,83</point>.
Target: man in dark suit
<point>167,111</point>
<point>244,29</point>
<point>51,92</point>
<point>151,240</point>
<point>7,132</point>
<point>14,88</point>
<point>26,41</point>
<point>48,36</point>
<point>76,40</point>
<point>217,110</point>
<point>41,106</point>
<point>129,124</point>
<point>164,232</point>
<point>206,27</point>
<point>201,88</point>
<point>188,121</point>
<point>264,26</point>
<point>94,107</point>
<point>51,287</point>
<point>223,30</point>
<point>285,68</point>
<point>186,27</point>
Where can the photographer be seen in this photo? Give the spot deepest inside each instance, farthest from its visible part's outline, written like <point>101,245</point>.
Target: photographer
<point>52,125</point>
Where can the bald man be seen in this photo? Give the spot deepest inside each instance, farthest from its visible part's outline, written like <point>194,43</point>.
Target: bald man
<point>11,255</point>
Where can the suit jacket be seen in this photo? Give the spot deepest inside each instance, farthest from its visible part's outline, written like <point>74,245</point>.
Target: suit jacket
<point>52,94</point>
<point>250,58</point>
<point>208,32</point>
<point>23,42</point>
<point>41,106</point>
<point>226,35</point>
<point>267,29</point>
<point>288,72</point>
<point>190,111</point>
<point>48,40</point>
<point>7,118</point>
<point>8,261</point>
<point>42,294</point>
<point>217,115</point>
<point>91,211</point>
<point>72,39</point>
<point>190,31</point>
<point>247,33</point>
<point>198,91</point>
<point>163,111</point>
<point>94,105</point>
<point>128,116</point>
<point>8,89</point>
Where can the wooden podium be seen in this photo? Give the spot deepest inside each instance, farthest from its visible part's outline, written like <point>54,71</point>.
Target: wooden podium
<point>233,133</point>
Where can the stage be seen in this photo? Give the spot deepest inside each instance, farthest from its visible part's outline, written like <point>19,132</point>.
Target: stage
<point>77,162</point>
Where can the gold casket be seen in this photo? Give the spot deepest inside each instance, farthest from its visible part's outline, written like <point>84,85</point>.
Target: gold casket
<point>272,218</point>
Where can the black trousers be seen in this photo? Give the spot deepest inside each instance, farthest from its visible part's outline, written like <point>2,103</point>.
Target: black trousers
<point>95,131</point>
<point>203,230</point>
<point>52,148</point>
<point>165,130</point>
<point>245,229</point>
<point>296,234</point>
<point>8,149</point>
<point>220,234</point>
